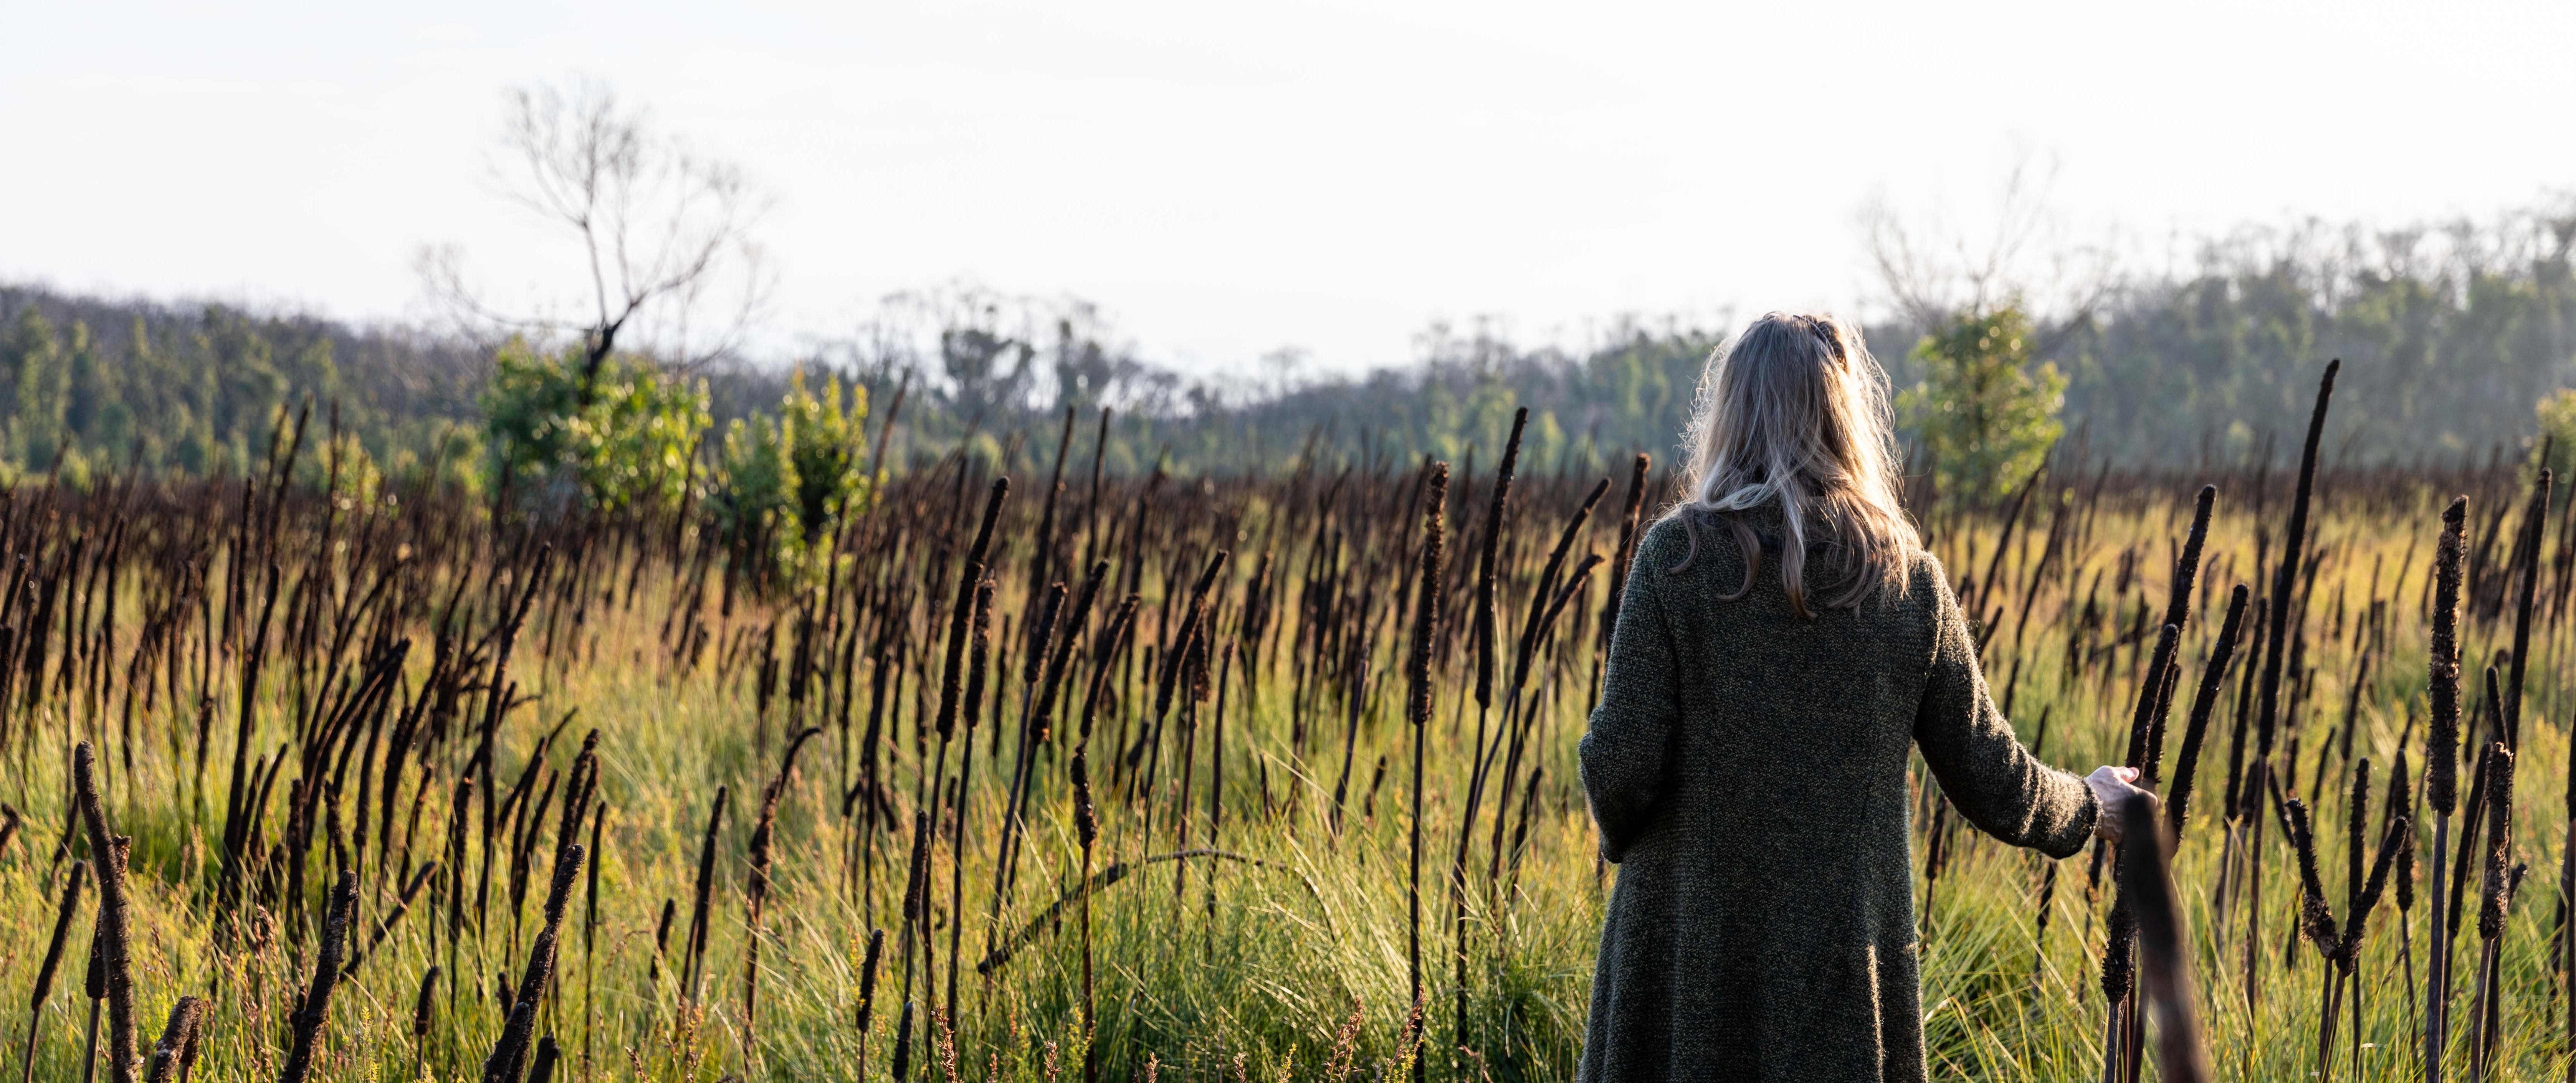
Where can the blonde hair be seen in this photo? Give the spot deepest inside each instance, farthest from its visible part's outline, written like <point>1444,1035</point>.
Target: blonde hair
<point>1794,412</point>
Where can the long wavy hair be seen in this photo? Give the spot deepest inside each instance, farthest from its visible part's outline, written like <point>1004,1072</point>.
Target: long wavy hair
<point>1793,412</point>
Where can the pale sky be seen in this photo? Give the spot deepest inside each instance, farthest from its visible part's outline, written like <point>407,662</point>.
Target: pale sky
<point>1229,179</point>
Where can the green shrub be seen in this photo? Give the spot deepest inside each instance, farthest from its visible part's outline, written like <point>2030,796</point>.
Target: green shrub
<point>788,482</point>
<point>628,446</point>
<point>1983,412</point>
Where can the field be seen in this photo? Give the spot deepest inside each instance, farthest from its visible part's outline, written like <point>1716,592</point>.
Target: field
<point>1051,775</point>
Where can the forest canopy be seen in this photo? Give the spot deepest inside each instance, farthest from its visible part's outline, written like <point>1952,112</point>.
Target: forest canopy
<point>2451,333</point>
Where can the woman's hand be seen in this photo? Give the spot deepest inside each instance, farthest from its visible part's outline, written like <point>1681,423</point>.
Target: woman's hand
<point>2113,792</point>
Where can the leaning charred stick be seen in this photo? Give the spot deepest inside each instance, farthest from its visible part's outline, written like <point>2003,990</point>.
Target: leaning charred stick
<point>1481,636</point>
<point>868,994</point>
<point>1035,727</point>
<point>2535,519</point>
<point>2161,671</point>
<point>916,929</point>
<point>1188,642</point>
<point>315,1008</point>
<point>2393,845</point>
<point>952,673</point>
<point>63,915</point>
<point>421,1009</point>
<point>115,923</point>
<point>756,884</point>
<point>94,986</point>
<point>1541,598</point>
<point>1518,719</point>
<point>982,650</point>
<point>1041,643</point>
<point>541,1069</point>
<point>2285,576</point>
<point>402,905</point>
<point>2316,921</point>
<point>590,926</point>
<point>2356,825</point>
<point>178,1041</point>
<point>1042,560</point>
<point>693,951</point>
<point>1193,619</point>
<point>2142,720</point>
<point>2213,682</point>
<point>510,1053</point>
<point>2187,566</point>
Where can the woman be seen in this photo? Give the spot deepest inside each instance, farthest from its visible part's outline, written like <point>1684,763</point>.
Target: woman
<point>1783,643</point>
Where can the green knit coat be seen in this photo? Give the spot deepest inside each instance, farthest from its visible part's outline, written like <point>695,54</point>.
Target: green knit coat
<point>1747,770</point>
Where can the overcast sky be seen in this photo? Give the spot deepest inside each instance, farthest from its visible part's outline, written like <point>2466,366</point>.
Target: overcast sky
<point>1228,179</point>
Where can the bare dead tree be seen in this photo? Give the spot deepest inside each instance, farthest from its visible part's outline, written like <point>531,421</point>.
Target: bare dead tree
<point>664,232</point>
<point>2023,252</point>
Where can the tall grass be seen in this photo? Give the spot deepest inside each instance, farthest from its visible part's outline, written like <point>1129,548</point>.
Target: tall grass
<point>1143,844</point>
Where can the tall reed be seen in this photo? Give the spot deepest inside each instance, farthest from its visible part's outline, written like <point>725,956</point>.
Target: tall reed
<point>314,1009</point>
<point>2441,769</point>
<point>1417,712</point>
<point>64,912</point>
<point>115,921</point>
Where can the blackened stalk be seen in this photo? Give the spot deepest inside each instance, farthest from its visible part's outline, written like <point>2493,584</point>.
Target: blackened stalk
<point>1086,822</point>
<point>2494,900</point>
<point>422,1008</point>
<point>1483,634</point>
<point>868,994</point>
<point>2442,770</point>
<point>2213,682</point>
<point>178,1041</point>
<point>2285,575</point>
<point>693,950</point>
<point>1480,638</point>
<point>2316,921</point>
<point>916,930</point>
<point>1041,640</point>
<point>982,649</point>
<point>1417,711</point>
<point>63,915</point>
<point>756,886</point>
<point>315,1008</point>
<point>2535,520</point>
<point>115,921</point>
<point>510,1053</point>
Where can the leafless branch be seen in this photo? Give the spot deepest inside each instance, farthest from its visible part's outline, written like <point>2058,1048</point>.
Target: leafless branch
<point>663,232</point>
<point>2019,253</point>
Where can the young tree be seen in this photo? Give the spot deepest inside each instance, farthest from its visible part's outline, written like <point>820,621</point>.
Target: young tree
<point>790,481</point>
<point>628,445</point>
<point>33,358</point>
<point>1983,411</point>
<point>662,232</point>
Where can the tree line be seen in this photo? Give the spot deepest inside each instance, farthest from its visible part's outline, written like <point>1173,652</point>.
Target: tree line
<point>2450,334</point>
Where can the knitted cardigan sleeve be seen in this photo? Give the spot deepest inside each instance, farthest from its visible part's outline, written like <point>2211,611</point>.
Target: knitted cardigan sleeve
<point>1983,769</point>
<point>1625,749</point>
